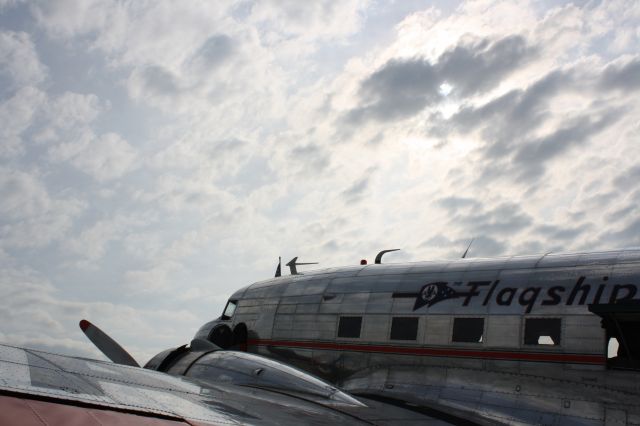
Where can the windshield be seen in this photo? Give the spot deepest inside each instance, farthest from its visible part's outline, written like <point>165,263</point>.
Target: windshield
<point>229,309</point>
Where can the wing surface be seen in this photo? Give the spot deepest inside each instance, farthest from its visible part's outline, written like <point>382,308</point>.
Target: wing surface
<point>44,388</point>
<point>471,396</point>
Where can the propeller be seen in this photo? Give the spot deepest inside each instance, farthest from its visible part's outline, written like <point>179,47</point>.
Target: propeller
<point>109,347</point>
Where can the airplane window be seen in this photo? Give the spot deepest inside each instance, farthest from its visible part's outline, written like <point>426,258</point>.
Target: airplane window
<point>542,331</point>
<point>229,309</point>
<point>468,330</point>
<point>404,328</point>
<point>350,327</point>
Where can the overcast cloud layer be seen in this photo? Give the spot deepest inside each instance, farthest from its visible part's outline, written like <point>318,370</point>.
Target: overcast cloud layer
<point>156,156</point>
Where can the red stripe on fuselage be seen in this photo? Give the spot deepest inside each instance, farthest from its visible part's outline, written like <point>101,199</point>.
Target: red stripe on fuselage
<point>437,352</point>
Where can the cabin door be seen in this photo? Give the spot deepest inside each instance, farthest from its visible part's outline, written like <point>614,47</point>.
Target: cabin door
<point>621,322</point>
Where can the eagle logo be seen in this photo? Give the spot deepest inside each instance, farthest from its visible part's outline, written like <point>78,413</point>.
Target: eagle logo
<point>432,293</point>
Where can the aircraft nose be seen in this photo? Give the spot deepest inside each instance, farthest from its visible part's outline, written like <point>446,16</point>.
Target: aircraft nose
<point>224,334</point>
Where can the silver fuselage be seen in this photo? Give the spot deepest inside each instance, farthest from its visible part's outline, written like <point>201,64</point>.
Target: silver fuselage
<point>297,319</point>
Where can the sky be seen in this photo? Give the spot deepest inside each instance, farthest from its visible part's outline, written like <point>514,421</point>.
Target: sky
<point>155,156</point>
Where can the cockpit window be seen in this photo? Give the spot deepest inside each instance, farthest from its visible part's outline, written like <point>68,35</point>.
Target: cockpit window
<point>229,309</point>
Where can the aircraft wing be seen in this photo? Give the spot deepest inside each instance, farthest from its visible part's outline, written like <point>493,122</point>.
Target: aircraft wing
<point>42,388</point>
<point>460,395</point>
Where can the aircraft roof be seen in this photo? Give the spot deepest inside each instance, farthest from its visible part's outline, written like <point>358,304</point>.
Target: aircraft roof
<point>544,260</point>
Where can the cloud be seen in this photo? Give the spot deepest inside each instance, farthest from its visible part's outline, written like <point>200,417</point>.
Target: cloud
<point>532,156</point>
<point>21,72</point>
<point>204,61</point>
<point>505,219</point>
<point>358,189</point>
<point>253,174</point>
<point>309,159</point>
<point>30,216</point>
<point>485,246</point>
<point>105,157</point>
<point>455,203</point>
<point>314,20</point>
<point>189,152</point>
<point>127,32</point>
<point>19,63</point>
<point>36,315</point>
<point>39,231</point>
<point>156,279</point>
<point>622,76</point>
<point>10,3</point>
<point>622,213</point>
<point>628,180</point>
<point>62,117</point>
<point>177,193</point>
<point>398,90</point>
<point>108,157</point>
<point>479,66</point>
<point>17,114</point>
<point>404,87</point>
<point>628,234</point>
<point>153,80</point>
<point>491,226</point>
<point>70,110</point>
<point>563,235</point>
<point>90,245</point>
<point>66,18</point>
<point>507,119</point>
<point>522,131</point>
<point>214,52</point>
<point>22,194</point>
<point>482,246</point>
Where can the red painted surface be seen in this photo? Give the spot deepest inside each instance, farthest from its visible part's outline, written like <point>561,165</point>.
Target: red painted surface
<point>31,412</point>
<point>438,352</point>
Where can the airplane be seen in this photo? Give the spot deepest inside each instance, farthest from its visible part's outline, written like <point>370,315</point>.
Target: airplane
<point>517,340</point>
<point>197,384</point>
<point>513,340</point>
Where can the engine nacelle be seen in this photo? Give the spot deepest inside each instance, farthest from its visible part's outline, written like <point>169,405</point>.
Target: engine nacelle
<point>208,363</point>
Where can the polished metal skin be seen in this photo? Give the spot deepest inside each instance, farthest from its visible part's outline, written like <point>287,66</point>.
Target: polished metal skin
<point>507,375</point>
<point>217,388</point>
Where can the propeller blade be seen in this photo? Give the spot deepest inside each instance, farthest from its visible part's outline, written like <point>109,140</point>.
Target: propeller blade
<point>109,347</point>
